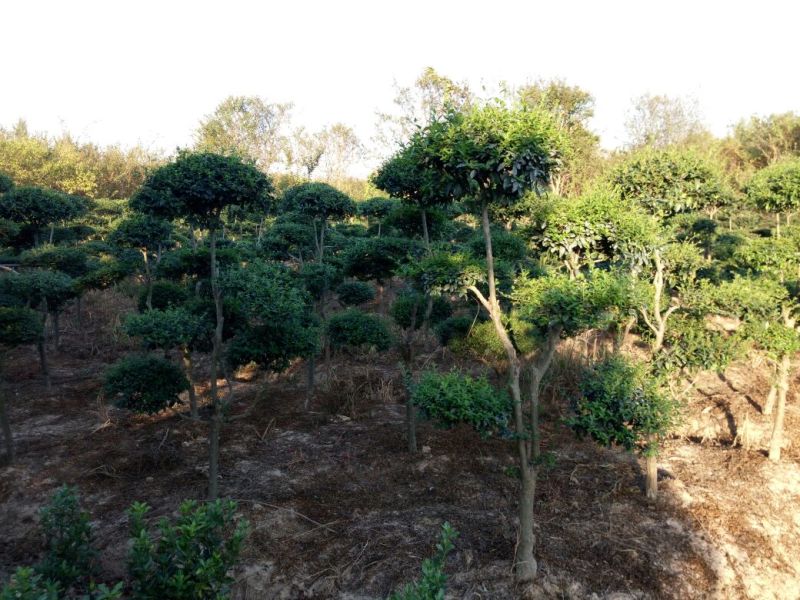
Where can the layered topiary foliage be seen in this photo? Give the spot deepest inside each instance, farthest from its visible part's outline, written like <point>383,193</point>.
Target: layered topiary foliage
<point>376,209</point>
<point>144,383</point>
<point>163,294</point>
<point>454,398</point>
<point>377,258</point>
<point>36,208</point>
<point>776,189</point>
<point>353,293</point>
<point>320,203</point>
<point>670,181</point>
<point>75,262</point>
<point>409,308</point>
<point>355,329</point>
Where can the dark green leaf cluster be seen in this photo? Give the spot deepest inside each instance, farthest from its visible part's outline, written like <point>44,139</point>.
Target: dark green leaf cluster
<point>776,188</point>
<point>30,288</point>
<point>453,328</point>
<point>166,329</point>
<point>318,201</point>
<point>507,246</point>
<point>377,258</point>
<point>19,326</point>
<point>410,305</point>
<point>27,584</point>
<point>144,383</point>
<point>377,207</point>
<point>692,346</point>
<point>166,294</point>
<point>433,583</point>
<point>6,183</point>
<point>195,263</point>
<point>622,404</point>
<point>353,293</point>
<point>70,555</point>
<point>670,181</point>
<point>190,558</point>
<point>198,186</point>
<point>319,278</point>
<point>453,398</point>
<point>72,261</point>
<point>39,207</point>
<point>445,273</point>
<point>143,232</point>
<point>353,328</point>
<point>288,239</point>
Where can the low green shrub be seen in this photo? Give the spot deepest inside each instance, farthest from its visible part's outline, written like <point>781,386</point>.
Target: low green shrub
<point>352,293</point>
<point>402,310</point>
<point>144,383</point>
<point>166,294</point>
<point>355,329</point>
<point>433,583</point>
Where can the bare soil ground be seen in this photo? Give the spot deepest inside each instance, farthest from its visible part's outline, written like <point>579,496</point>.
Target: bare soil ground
<point>338,509</point>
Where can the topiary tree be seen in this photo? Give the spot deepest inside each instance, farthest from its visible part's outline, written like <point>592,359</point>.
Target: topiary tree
<point>353,293</point>
<point>670,181</point>
<point>377,209</point>
<point>377,258</point>
<point>493,155</point>
<point>622,404</point>
<point>147,234</point>
<point>144,383</point>
<point>18,327</point>
<point>320,203</point>
<point>776,189</point>
<point>161,295</point>
<point>353,328</point>
<point>37,208</point>
<point>168,329</point>
<point>198,187</point>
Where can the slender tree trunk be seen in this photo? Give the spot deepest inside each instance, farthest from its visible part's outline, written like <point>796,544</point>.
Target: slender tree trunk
<point>52,232</point>
<point>148,280</point>
<point>525,563</point>
<point>188,368</point>
<point>216,419</point>
<point>651,476</point>
<point>770,403</point>
<point>42,346</point>
<point>56,330</point>
<point>6,427</point>
<point>311,366</point>
<point>425,235</point>
<point>776,441</point>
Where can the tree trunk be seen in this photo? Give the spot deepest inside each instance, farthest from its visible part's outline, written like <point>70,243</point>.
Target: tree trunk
<point>425,235</point>
<point>43,347</point>
<point>52,232</point>
<point>778,225</point>
<point>188,368</point>
<point>770,403</point>
<point>776,441</point>
<point>411,422</point>
<point>6,427</point>
<point>525,564</point>
<point>56,330</point>
<point>311,366</point>
<point>216,419</point>
<point>651,476</point>
<point>148,281</point>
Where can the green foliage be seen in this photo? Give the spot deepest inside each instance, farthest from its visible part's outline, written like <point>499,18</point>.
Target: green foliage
<point>144,383</point>
<point>190,559</point>
<point>27,584</point>
<point>9,231</point>
<point>103,277</point>
<point>319,278</point>
<point>287,239</point>
<point>165,329</point>
<point>70,556</point>
<point>776,188</point>
<point>72,261</point>
<point>454,328</point>
<point>166,294</point>
<point>30,288</point>
<point>377,207</point>
<point>279,325</point>
<point>506,246</point>
<point>143,232</point>
<point>622,404</point>
<point>775,338</point>
<point>404,305</point>
<point>195,263</point>
<point>353,293</point>
<point>199,185</point>
<point>318,201</point>
<point>433,583</point>
<point>407,221</point>
<point>482,343</point>
<point>572,305</point>
<point>445,272</point>
<point>38,207</point>
<point>670,181</point>
<point>355,329</point>
<point>692,346</point>
<point>596,227</point>
<point>6,183</point>
<point>491,153</point>
<point>377,258</point>
<point>453,398</point>
<point>19,326</point>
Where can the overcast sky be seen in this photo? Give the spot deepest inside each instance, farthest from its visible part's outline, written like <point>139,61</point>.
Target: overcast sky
<point>119,71</point>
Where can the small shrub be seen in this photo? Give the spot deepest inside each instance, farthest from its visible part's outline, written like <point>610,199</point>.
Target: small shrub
<point>166,294</point>
<point>352,293</point>
<point>403,309</point>
<point>454,328</point>
<point>356,329</point>
<point>68,538</point>
<point>190,559</point>
<point>144,383</point>
<point>26,584</point>
<point>453,398</point>
<point>433,583</point>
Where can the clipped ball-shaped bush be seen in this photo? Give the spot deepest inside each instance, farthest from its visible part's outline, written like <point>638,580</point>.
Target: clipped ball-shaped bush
<point>453,328</point>
<point>166,294</point>
<point>319,278</point>
<point>356,329</point>
<point>144,383</point>
<point>453,398</point>
<point>353,293</point>
<point>410,302</point>
<point>19,326</point>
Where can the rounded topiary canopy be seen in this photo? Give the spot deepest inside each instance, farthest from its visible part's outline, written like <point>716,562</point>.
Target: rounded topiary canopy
<point>199,186</point>
<point>39,207</point>
<point>377,207</point>
<point>318,201</point>
<point>353,328</point>
<point>72,261</point>
<point>776,188</point>
<point>144,383</point>
<point>142,232</point>
<point>352,293</point>
<point>19,326</point>
<point>29,288</point>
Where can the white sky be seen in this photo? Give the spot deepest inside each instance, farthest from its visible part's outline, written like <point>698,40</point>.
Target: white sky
<point>119,71</point>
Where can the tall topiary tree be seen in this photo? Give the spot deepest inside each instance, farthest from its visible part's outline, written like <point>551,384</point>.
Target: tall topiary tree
<point>198,187</point>
<point>320,203</point>
<point>18,327</point>
<point>38,208</point>
<point>149,235</point>
<point>776,189</point>
<point>493,155</point>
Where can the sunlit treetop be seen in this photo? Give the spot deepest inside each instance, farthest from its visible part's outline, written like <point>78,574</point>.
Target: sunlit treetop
<point>776,188</point>
<point>318,201</point>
